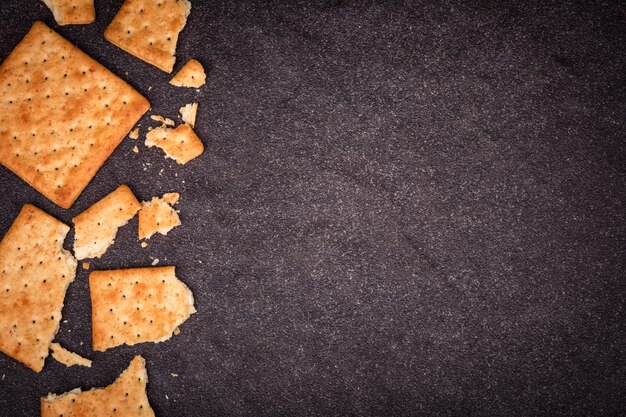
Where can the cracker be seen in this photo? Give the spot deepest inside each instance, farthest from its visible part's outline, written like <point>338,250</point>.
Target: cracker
<point>188,114</point>
<point>61,114</point>
<point>158,215</point>
<point>125,397</point>
<point>190,75</point>
<point>164,120</point>
<point>35,272</point>
<point>68,358</point>
<point>181,144</point>
<point>96,227</point>
<point>148,29</point>
<point>72,12</point>
<point>137,305</point>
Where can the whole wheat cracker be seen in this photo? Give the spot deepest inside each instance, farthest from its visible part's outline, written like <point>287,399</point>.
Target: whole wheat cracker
<point>96,227</point>
<point>72,12</point>
<point>158,216</point>
<point>124,397</point>
<point>181,144</point>
<point>188,113</point>
<point>149,29</point>
<point>67,358</point>
<point>137,305</point>
<point>61,114</point>
<point>190,75</point>
<point>35,272</point>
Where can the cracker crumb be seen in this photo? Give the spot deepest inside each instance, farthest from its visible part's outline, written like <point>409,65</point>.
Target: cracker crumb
<point>3,377</point>
<point>174,375</point>
<point>134,134</point>
<point>177,331</point>
<point>86,265</point>
<point>144,244</point>
<point>156,261</point>
<point>136,149</point>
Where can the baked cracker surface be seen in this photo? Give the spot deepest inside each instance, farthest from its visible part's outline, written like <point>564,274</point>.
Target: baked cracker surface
<point>190,75</point>
<point>72,12</point>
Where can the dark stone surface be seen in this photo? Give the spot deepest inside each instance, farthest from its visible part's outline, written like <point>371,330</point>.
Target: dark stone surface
<point>403,209</point>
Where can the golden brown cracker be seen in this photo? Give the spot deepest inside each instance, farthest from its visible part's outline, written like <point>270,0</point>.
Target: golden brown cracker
<point>67,358</point>
<point>190,75</point>
<point>35,272</point>
<point>61,114</point>
<point>181,144</point>
<point>149,29</point>
<point>137,305</point>
<point>158,216</point>
<point>125,397</point>
<point>72,12</point>
<point>96,227</point>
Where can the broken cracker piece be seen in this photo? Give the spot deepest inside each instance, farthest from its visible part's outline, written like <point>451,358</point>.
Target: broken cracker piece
<point>96,227</point>
<point>149,29</point>
<point>181,144</point>
<point>62,114</point>
<point>86,265</point>
<point>134,134</point>
<point>36,272</point>
<point>188,114</point>
<point>68,358</point>
<point>144,244</point>
<point>125,397</point>
<point>190,75</point>
<point>72,12</point>
<point>157,215</point>
<point>137,305</point>
<point>164,120</point>
<point>135,149</point>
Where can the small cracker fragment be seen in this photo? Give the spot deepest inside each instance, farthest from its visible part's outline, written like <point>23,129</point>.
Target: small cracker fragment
<point>61,114</point>
<point>144,244</point>
<point>181,144</point>
<point>164,120</point>
<point>72,12</point>
<point>96,227</point>
<point>157,215</point>
<point>68,358</point>
<point>149,29</point>
<point>125,397</point>
<point>134,134</point>
<point>190,75</point>
<point>86,265</point>
<point>137,305</point>
<point>35,272</point>
<point>135,149</point>
<point>188,113</point>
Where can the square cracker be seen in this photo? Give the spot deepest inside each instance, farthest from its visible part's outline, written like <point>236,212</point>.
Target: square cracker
<point>61,114</point>
<point>125,397</point>
<point>72,12</point>
<point>148,29</point>
<point>96,227</point>
<point>158,216</point>
<point>190,75</point>
<point>181,144</point>
<point>35,272</point>
<point>130,306</point>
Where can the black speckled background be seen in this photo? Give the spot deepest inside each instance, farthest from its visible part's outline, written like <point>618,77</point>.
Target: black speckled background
<point>404,208</point>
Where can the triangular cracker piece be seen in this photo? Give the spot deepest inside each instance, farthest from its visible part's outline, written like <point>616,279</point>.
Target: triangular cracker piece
<point>190,75</point>
<point>72,12</point>
<point>188,114</point>
<point>67,358</point>
<point>148,29</point>
<point>35,272</point>
<point>130,306</point>
<point>158,216</point>
<point>96,227</point>
<point>124,398</point>
<point>181,144</point>
<point>61,114</point>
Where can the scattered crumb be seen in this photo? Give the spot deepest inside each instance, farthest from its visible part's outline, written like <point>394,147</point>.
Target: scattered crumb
<point>81,343</point>
<point>64,321</point>
<point>156,261</point>
<point>174,375</point>
<point>166,397</point>
<point>149,88</point>
<point>166,121</point>
<point>85,265</point>
<point>136,149</point>
<point>144,244</point>
<point>176,331</point>
<point>134,134</point>
<point>3,377</point>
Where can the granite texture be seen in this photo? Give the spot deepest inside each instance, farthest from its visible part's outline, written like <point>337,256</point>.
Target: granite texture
<point>404,208</point>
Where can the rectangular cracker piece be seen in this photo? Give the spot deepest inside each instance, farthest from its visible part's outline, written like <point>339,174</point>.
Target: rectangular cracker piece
<point>72,12</point>
<point>61,114</point>
<point>130,306</point>
<point>180,144</point>
<point>96,227</point>
<point>68,358</point>
<point>149,29</point>
<point>190,75</point>
<point>124,397</point>
<point>35,272</point>
<point>158,216</point>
